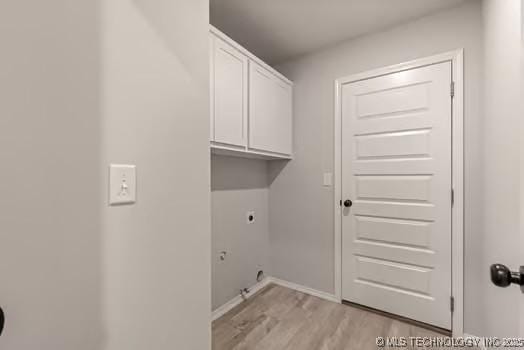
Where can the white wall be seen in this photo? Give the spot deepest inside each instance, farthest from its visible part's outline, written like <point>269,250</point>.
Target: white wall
<point>238,185</point>
<point>50,204</point>
<point>156,261</point>
<point>83,84</point>
<point>502,179</point>
<point>301,209</point>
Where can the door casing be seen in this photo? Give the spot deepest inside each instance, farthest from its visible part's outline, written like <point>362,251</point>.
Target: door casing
<point>457,215</point>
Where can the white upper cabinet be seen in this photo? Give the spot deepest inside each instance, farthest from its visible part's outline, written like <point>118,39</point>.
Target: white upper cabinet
<point>270,112</point>
<point>251,103</point>
<point>229,94</point>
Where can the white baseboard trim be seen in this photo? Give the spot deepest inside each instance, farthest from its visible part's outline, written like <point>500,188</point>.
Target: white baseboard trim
<point>307,290</point>
<point>221,310</point>
<point>479,339</point>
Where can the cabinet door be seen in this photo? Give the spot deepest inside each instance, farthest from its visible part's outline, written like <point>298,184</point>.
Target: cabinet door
<point>270,111</point>
<point>229,93</point>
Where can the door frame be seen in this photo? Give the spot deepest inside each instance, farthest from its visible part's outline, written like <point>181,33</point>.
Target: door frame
<point>457,181</point>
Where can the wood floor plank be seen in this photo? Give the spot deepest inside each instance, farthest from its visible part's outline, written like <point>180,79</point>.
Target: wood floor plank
<point>278,318</point>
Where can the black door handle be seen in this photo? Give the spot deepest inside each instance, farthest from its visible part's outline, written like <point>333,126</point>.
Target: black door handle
<point>501,276</point>
<point>348,203</point>
<point>2,319</point>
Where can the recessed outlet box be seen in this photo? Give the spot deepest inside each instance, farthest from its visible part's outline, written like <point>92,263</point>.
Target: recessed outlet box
<point>250,217</point>
<point>222,256</point>
<point>122,184</point>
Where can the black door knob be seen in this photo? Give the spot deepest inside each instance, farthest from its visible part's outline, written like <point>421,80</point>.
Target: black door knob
<point>348,203</point>
<point>2,318</point>
<point>501,276</point>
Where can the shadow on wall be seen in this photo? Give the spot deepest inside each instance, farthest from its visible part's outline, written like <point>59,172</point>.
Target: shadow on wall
<point>173,34</point>
<point>275,168</point>
<point>234,173</point>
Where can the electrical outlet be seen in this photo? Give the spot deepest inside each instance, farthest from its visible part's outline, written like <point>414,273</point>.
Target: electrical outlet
<point>250,217</point>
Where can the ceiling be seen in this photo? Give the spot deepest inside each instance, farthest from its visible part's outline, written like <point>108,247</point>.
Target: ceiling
<point>277,30</point>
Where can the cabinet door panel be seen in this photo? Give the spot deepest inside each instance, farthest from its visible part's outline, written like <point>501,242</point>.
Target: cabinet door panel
<point>270,112</point>
<point>230,94</point>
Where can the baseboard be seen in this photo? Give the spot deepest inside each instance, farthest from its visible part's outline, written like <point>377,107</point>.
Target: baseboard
<point>479,339</point>
<point>220,311</point>
<point>303,289</point>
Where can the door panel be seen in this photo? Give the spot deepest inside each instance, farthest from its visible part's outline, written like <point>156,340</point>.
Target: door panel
<point>389,273</point>
<point>406,232</point>
<point>399,144</point>
<point>399,210</point>
<point>396,168</point>
<point>394,187</point>
<point>393,252</point>
<point>230,94</point>
<point>392,101</point>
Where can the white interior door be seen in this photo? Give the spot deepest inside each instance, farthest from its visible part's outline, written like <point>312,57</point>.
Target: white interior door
<point>396,170</point>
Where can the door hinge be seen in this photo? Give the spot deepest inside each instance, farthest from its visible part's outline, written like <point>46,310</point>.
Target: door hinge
<point>452,89</point>
<point>452,197</point>
<point>451,304</point>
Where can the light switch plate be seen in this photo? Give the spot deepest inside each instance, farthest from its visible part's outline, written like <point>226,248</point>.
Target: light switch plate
<point>122,184</point>
<point>328,179</point>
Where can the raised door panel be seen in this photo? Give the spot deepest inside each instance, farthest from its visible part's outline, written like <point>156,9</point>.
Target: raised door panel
<point>270,112</point>
<point>229,86</point>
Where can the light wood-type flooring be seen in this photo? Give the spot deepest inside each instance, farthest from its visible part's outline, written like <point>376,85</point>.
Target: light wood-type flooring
<point>280,318</point>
